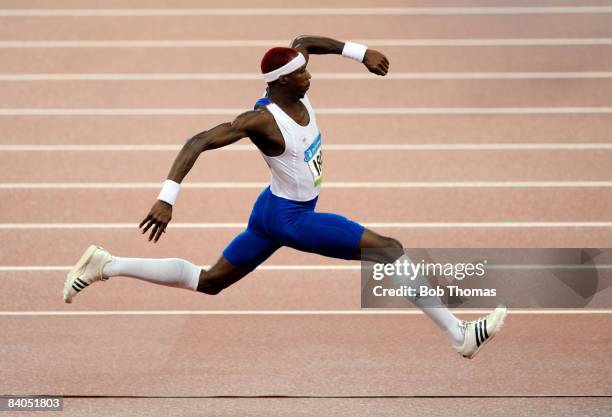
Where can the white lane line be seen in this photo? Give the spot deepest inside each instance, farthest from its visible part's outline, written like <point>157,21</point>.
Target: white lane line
<point>275,42</point>
<point>318,76</point>
<point>549,266</point>
<point>328,147</point>
<point>398,225</point>
<point>50,268</point>
<point>368,312</point>
<point>350,111</point>
<point>259,185</point>
<point>63,268</point>
<point>282,11</point>
<point>467,110</point>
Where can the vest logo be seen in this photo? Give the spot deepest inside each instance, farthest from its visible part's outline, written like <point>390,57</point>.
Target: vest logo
<point>313,149</point>
<point>313,156</point>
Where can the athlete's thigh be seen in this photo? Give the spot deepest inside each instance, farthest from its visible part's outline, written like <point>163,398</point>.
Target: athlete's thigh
<point>250,249</point>
<point>326,234</point>
<point>241,256</point>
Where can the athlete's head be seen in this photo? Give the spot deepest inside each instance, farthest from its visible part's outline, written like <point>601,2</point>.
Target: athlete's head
<point>285,68</point>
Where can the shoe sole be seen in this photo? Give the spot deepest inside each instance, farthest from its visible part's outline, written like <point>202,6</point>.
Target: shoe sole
<point>499,326</point>
<point>77,271</point>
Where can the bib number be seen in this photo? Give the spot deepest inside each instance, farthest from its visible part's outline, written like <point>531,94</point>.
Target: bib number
<point>313,156</point>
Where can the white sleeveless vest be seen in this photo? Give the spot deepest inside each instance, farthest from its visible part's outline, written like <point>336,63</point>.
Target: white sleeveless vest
<point>298,172</point>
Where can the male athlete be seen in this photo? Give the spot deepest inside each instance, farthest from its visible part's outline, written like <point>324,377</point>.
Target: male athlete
<point>284,129</point>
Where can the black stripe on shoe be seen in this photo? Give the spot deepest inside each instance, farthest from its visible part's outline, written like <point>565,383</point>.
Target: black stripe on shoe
<point>477,334</point>
<point>77,289</point>
<point>78,285</point>
<point>485,329</point>
<point>83,283</point>
<point>482,336</point>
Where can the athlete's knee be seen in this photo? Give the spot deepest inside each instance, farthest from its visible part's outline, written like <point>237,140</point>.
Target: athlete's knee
<point>386,250</point>
<point>392,251</point>
<point>394,243</point>
<point>210,288</point>
<point>210,284</point>
<point>392,247</point>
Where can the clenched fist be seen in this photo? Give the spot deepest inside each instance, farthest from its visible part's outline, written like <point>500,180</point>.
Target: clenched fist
<point>376,62</point>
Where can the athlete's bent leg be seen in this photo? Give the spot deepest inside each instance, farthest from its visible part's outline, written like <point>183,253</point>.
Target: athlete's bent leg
<point>241,256</point>
<point>220,276</point>
<point>392,250</point>
<point>333,235</point>
<point>177,273</point>
<point>244,253</point>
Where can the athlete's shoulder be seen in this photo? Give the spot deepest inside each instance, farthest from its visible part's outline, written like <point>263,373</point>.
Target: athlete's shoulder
<point>253,120</point>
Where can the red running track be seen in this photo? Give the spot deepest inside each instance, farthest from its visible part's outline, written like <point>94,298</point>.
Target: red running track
<point>300,332</point>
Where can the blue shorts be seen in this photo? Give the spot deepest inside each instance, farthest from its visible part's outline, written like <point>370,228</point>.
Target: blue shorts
<point>277,222</point>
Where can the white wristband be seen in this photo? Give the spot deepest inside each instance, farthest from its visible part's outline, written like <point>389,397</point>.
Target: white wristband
<point>169,192</point>
<point>354,51</point>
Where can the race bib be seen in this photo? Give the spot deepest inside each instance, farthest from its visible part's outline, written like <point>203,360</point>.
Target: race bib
<point>313,156</point>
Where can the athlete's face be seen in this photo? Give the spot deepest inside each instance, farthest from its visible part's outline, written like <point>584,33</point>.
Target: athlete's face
<point>299,81</point>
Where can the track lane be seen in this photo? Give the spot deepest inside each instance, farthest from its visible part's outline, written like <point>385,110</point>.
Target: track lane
<point>390,205</point>
<point>325,93</point>
<point>328,290</point>
<point>65,4</point>
<point>346,27</point>
<point>364,355</point>
<point>260,290</point>
<point>246,60</point>
<point>204,246</point>
<point>372,129</point>
<point>584,165</point>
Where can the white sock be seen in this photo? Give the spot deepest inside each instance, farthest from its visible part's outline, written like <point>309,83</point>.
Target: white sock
<point>445,321</point>
<point>173,272</point>
<point>433,307</point>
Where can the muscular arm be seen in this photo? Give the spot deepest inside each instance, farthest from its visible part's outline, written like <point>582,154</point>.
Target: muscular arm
<point>317,45</point>
<point>219,136</point>
<point>247,124</point>
<point>374,61</point>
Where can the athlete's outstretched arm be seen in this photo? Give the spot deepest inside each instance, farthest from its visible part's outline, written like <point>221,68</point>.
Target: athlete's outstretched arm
<point>225,134</point>
<point>217,137</point>
<point>374,60</point>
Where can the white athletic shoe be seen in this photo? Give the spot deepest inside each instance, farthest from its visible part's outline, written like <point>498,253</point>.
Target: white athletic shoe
<point>86,271</point>
<point>480,332</point>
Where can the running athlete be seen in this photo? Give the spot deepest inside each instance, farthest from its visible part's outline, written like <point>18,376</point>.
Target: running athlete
<point>284,129</point>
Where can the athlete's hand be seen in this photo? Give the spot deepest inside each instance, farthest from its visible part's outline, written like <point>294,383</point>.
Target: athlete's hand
<point>159,217</point>
<point>376,62</point>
